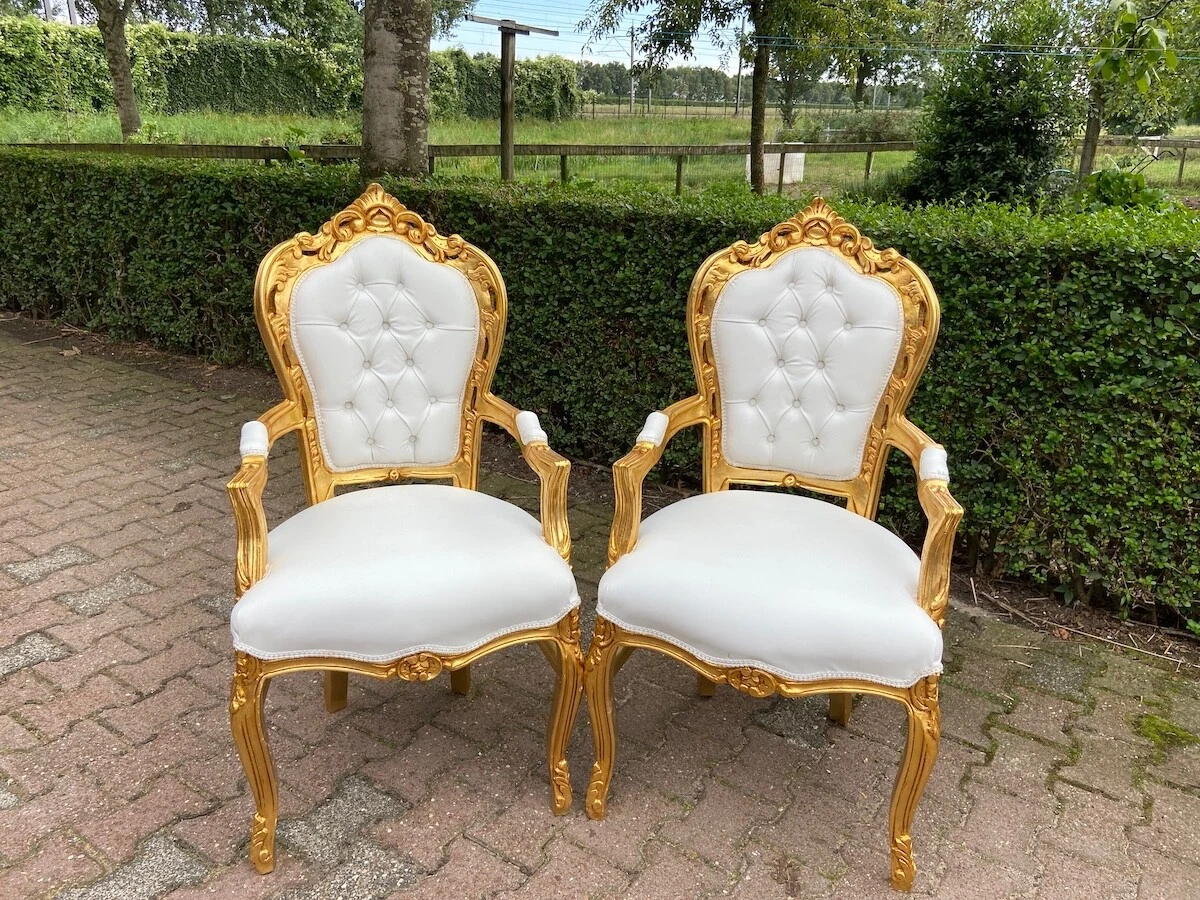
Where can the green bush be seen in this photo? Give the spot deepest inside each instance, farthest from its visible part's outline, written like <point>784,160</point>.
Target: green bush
<point>60,67</point>
<point>997,122</point>
<point>1065,382</point>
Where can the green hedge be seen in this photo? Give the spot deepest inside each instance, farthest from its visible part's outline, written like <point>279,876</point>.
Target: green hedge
<point>1065,384</point>
<point>60,67</point>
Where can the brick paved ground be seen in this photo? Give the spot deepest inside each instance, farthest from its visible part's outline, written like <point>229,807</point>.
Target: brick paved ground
<point>118,777</point>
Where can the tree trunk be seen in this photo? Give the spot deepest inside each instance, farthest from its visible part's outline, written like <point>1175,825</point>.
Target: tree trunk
<point>758,112</point>
<point>1091,132</point>
<point>860,80</point>
<point>110,17</point>
<point>396,88</point>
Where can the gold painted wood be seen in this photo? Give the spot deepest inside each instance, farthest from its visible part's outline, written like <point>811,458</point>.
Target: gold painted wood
<point>920,701</point>
<point>817,226</point>
<point>375,212</point>
<point>252,675</point>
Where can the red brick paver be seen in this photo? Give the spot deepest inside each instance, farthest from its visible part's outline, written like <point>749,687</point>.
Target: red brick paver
<point>118,776</point>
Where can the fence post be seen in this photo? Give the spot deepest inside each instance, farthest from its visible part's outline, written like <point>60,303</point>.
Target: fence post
<point>1182,159</point>
<point>431,157</point>
<point>562,168</point>
<point>678,175</point>
<point>782,160</point>
<point>870,160</point>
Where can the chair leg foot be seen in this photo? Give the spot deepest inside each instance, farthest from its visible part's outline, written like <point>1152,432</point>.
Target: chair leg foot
<point>705,686</point>
<point>568,694</point>
<point>597,682</point>
<point>460,681</point>
<point>337,685</point>
<point>920,753</point>
<point>249,734</point>
<point>840,706</point>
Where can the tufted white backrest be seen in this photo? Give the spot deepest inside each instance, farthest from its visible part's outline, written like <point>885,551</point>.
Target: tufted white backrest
<point>387,340</point>
<point>803,349</point>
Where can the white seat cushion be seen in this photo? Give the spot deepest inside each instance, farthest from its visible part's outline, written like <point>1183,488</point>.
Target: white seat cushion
<point>796,586</point>
<point>381,573</point>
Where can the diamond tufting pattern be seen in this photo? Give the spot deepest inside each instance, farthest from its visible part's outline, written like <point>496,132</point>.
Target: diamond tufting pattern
<point>386,339</point>
<point>803,350</point>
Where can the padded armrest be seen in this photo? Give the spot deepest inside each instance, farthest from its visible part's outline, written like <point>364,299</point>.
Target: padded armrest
<point>529,427</point>
<point>255,440</point>
<point>654,430</point>
<point>934,464</point>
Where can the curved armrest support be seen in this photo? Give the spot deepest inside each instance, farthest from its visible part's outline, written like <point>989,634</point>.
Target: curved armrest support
<point>551,469</point>
<point>246,490</point>
<point>630,470</point>
<point>941,510</point>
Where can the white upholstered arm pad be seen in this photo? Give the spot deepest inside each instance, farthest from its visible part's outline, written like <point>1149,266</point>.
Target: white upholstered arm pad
<point>529,428</point>
<point>654,430</point>
<point>933,463</point>
<point>254,439</point>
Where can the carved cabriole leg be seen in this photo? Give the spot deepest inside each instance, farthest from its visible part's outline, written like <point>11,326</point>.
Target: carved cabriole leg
<point>460,680</point>
<point>597,681</point>
<point>839,708</point>
<point>246,720</point>
<point>924,729</point>
<point>336,686</point>
<point>705,686</point>
<point>568,694</point>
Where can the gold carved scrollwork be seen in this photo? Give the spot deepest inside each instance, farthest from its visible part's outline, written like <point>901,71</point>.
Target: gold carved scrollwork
<point>754,682</point>
<point>262,843</point>
<point>568,631</point>
<point>603,636</point>
<point>560,784</point>
<point>247,670</point>
<point>418,667</point>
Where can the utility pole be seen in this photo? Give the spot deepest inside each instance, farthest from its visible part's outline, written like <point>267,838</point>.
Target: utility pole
<point>508,60</point>
<point>737,104</point>
<point>631,70</point>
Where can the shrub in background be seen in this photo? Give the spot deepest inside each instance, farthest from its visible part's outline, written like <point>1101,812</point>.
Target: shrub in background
<point>997,121</point>
<point>1065,383</point>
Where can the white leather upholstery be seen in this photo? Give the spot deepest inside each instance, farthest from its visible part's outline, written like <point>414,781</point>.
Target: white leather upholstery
<point>255,441</point>
<point>654,430</point>
<point>529,427</point>
<point>934,464</point>
<point>381,573</point>
<point>792,585</point>
<point>386,339</point>
<point>803,350</point>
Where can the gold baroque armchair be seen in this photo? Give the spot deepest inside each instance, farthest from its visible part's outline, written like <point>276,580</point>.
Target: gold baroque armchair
<point>385,336</point>
<point>807,346</point>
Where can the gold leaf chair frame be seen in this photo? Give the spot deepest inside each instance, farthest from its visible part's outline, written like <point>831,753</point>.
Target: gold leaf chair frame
<point>378,213</point>
<point>817,226</point>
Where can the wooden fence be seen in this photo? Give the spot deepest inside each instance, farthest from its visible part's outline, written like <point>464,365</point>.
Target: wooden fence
<point>335,153</point>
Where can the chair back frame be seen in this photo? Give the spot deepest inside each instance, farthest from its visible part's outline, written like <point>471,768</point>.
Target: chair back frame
<point>816,226</point>
<point>374,213</point>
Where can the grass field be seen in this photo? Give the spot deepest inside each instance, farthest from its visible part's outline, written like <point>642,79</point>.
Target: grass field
<point>823,172</point>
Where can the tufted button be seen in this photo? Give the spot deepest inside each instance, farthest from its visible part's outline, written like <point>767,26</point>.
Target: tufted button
<point>366,364</point>
<point>408,361</point>
<point>349,405</point>
<point>413,439</point>
<point>762,323</point>
<point>344,326</point>
<point>820,363</point>
<point>849,325</point>
<point>793,285</point>
<point>433,400</point>
<point>371,441</point>
<point>779,364</point>
<point>840,408</point>
<point>752,402</point>
<point>795,404</point>
<point>361,286</point>
<point>428,325</point>
<point>387,326</point>
<point>770,438</point>
<point>803,323</point>
<point>816,442</point>
<point>389,404</point>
